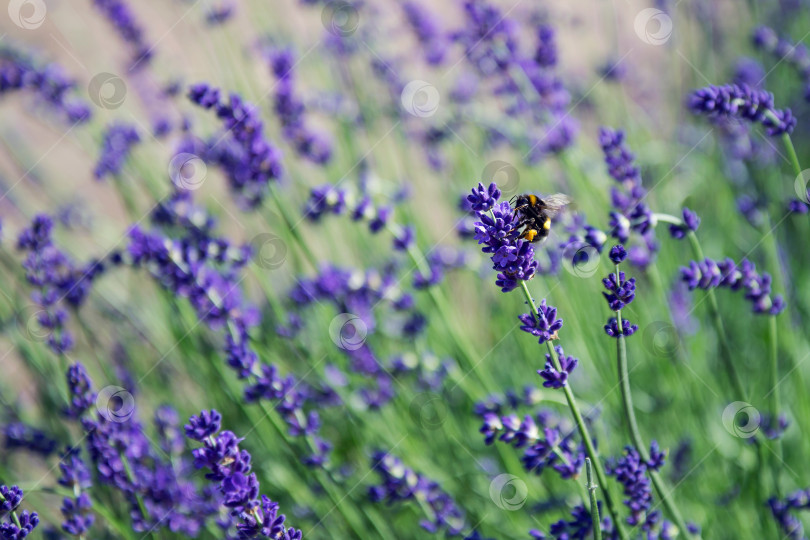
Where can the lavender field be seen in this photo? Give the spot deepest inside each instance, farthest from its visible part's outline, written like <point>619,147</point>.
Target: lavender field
<point>399,269</point>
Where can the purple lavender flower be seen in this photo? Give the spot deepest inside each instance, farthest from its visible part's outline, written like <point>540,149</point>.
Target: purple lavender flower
<point>400,484</point>
<point>783,512</point>
<point>544,324</point>
<point>621,291</point>
<point>709,274</point>
<point>22,436</point>
<point>48,84</point>
<point>691,221</point>
<point>631,471</point>
<point>489,39</point>
<point>118,142</point>
<point>12,525</point>
<point>290,110</point>
<point>247,157</point>
<point>220,13</point>
<point>425,25</point>
<point>229,467</point>
<point>483,199</point>
<point>744,102</point>
<point>120,16</point>
<point>612,328</point>
<point>558,379</point>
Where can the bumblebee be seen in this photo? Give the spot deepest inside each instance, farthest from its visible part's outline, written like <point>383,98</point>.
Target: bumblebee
<point>535,214</point>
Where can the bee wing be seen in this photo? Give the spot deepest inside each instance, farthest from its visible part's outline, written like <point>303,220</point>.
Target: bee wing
<point>554,204</point>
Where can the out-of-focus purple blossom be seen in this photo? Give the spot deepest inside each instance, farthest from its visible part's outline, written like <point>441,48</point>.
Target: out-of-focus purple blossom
<point>749,72</point>
<point>20,436</point>
<point>691,222</point>
<point>426,27</point>
<point>249,160</point>
<point>543,440</point>
<point>401,484</point>
<point>544,324</point>
<point>489,39</point>
<point>784,49</point>
<point>546,53</point>
<point>120,16</point>
<point>324,199</point>
<point>744,102</point>
<point>118,142</point>
<point>784,510</point>
<point>708,274</point>
<point>48,84</point>
<point>76,510</point>
<point>291,110</point>
<point>220,13</point>
<point>580,526</point>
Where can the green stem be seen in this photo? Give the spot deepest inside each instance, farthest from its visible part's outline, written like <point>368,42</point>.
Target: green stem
<point>597,523</point>
<point>774,383</point>
<point>791,150</point>
<point>635,433</point>
<point>714,311</point>
<point>582,427</point>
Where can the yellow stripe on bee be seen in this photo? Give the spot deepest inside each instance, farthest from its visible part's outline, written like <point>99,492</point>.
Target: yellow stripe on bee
<point>547,224</point>
<point>532,199</point>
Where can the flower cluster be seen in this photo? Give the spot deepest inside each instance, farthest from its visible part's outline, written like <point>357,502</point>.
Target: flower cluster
<point>220,13</point>
<point>76,509</point>
<point>497,230</point>
<point>290,111</point>
<point>544,324</point>
<point>498,404</point>
<point>20,436</point>
<point>554,378</point>
<point>119,138</point>
<point>230,468</point>
<point>544,441</point>
<point>120,16</point>
<point>630,471</point>
<point>58,283</point>
<point>48,84</point>
<point>783,49</point>
<point>630,214</point>
<point>579,526</point>
<point>12,525</point>
<point>249,160</point>
<point>691,222</point>
<point>399,484</point>
<point>784,513</point>
<point>424,24</point>
<point>708,274</point>
<point>743,102</point>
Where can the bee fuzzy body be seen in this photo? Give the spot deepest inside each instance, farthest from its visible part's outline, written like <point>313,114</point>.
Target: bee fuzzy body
<point>535,214</point>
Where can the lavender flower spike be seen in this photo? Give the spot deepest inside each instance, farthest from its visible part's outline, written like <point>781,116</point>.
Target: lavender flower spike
<point>742,101</point>
<point>544,324</point>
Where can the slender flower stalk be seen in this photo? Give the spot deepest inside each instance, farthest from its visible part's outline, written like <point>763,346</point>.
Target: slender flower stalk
<point>597,529</point>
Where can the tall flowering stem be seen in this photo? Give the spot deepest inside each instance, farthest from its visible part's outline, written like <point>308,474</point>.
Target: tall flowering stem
<point>581,426</point>
<point>622,293</point>
<point>597,529</point>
